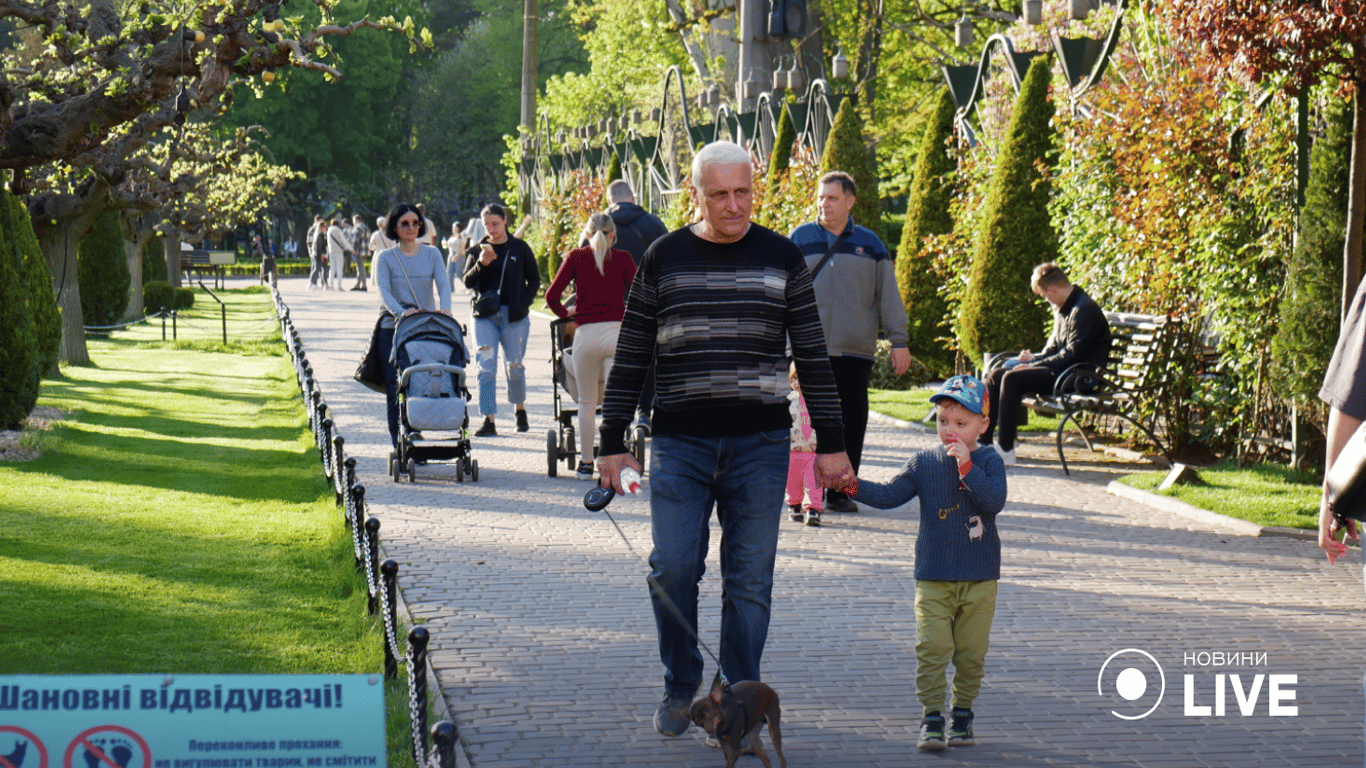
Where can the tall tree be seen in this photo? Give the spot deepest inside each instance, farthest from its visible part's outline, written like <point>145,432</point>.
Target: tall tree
<point>927,213</point>
<point>846,150</point>
<point>999,313</point>
<point>1298,44</point>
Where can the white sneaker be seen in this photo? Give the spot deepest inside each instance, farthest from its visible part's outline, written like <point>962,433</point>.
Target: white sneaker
<point>1007,457</point>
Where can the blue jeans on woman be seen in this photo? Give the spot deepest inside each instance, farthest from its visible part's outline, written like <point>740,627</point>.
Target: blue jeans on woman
<point>386,348</point>
<point>744,477</point>
<point>489,333</point>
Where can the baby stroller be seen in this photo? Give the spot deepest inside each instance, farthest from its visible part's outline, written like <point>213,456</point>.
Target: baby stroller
<point>430,356</point>
<point>560,442</point>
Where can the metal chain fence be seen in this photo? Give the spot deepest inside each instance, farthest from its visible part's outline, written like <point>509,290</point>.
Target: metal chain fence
<point>381,578</point>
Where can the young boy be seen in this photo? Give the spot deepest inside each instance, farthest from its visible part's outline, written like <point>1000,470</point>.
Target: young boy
<point>957,555</point>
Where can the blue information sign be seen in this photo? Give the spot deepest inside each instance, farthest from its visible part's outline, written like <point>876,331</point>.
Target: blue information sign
<point>191,721</point>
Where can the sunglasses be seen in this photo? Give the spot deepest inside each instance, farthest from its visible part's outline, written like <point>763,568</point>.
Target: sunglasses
<point>408,223</point>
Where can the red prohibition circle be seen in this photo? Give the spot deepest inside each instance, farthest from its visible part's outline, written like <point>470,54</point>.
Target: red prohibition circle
<point>81,738</point>
<point>32,739</point>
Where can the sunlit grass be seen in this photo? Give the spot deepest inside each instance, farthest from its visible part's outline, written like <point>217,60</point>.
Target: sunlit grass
<point>1265,494</point>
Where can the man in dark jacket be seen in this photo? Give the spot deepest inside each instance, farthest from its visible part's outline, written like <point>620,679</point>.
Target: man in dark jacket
<point>636,229</point>
<point>1081,334</point>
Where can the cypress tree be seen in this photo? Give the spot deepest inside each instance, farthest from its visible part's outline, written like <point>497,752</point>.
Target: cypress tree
<point>927,213</point>
<point>999,312</point>
<point>19,358</point>
<point>1309,312</point>
<point>781,157</point>
<point>103,272</point>
<point>846,150</point>
<point>47,316</point>
<point>613,169</point>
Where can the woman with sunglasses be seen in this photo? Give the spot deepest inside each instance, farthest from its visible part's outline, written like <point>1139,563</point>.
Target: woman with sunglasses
<point>405,275</point>
<point>503,263</point>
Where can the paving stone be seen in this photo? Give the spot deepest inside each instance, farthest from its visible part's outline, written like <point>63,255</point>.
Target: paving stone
<point>544,643</point>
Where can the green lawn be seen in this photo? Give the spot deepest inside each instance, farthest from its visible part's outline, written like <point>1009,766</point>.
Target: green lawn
<point>1264,494</point>
<point>178,521</point>
<point>912,405</point>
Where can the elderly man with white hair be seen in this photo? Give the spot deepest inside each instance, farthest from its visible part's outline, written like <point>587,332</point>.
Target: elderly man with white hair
<point>715,304</point>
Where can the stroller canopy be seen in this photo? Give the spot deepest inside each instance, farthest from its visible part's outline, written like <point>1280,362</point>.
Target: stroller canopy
<point>432,326</point>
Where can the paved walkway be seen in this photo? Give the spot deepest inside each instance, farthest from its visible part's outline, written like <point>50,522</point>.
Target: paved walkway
<point>544,644</point>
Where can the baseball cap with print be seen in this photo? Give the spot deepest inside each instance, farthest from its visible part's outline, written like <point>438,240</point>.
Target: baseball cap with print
<point>967,391</point>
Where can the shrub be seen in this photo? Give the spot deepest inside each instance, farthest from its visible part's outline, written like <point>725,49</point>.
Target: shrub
<point>1309,311</point>
<point>20,373</point>
<point>999,312</point>
<point>927,214</point>
<point>613,169</point>
<point>781,156</point>
<point>846,150</point>
<point>884,376</point>
<point>184,298</point>
<point>158,295</point>
<point>103,272</point>
<point>154,260</point>
<point>47,316</point>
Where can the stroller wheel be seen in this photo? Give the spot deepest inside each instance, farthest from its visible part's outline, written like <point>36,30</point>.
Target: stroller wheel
<point>412,471</point>
<point>474,470</point>
<point>638,446</point>
<point>552,453</point>
<point>393,466</point>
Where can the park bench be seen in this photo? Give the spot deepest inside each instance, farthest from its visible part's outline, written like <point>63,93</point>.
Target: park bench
<point>201,261</point>
<point>1135,370</point>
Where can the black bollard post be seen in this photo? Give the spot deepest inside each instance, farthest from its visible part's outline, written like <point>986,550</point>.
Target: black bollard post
<point>389,583</point>
<point>417,685</point>
<point>325,447</point>
<point>372,560</point>
<point>349,472</point>
<point>445,736</point>
<point>357,522</point>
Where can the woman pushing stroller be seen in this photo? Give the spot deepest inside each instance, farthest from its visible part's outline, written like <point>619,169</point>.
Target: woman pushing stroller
<point>602,276</point>
<point>405,275</point>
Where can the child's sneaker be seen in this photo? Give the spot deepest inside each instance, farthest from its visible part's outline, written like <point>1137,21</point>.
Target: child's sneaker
<point>813,517</point>
<point>960,729</point>
<point>796,511</point>
<point>585,471</point>
<point>932,732</point>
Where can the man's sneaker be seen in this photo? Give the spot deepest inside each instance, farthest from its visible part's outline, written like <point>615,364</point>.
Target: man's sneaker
<point>671,718</point>
<point>487,430</point>
<point>585,471</point>
<point>960,729</point>
<point>1007,457</point>
<point>931,732</point>
<point>522,424</point>
<point>796,511</point>
<point>813,517</point>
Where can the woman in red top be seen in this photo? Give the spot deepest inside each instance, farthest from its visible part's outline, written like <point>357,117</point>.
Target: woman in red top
<point>601,275</point>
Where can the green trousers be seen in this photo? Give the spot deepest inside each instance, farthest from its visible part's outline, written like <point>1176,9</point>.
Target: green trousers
<point>952,623</point>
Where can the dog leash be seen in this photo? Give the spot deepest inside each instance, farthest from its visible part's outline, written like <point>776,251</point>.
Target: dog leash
<point>596,500</point>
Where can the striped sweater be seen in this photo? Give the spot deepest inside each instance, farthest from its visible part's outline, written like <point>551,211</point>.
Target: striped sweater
<point>718,317</point>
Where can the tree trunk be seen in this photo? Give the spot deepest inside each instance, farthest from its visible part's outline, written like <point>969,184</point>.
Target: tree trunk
<point>1356,206</point>
<point>59,243</point>
<point>171,249</point>
<point>136,233</point>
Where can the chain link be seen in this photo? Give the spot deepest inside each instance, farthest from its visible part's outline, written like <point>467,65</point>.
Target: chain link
<point>419,738</point>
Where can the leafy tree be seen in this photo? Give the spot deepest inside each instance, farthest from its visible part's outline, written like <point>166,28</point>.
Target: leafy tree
<point>927,213</point>
<point>1298,45</point>
<point>613,168</point>
<point>1309,311</point>
<point>847,150</point>
<point>999,313</point>
<point>781,157</point>
<point>42,303</point>
<point>103,272</point>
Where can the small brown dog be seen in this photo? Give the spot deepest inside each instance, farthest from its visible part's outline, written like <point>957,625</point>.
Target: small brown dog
<point>735,712</point>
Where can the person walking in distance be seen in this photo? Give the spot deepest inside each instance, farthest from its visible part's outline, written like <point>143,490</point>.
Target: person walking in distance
<point>715,304</point>
<point>316,243</point>
<point>857,293</point>
<point>360,246</point>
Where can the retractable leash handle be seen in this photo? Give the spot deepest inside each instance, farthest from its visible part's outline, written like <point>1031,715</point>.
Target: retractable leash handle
<point>598,497</point>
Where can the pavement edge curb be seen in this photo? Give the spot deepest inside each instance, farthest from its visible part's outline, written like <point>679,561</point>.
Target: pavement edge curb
<point>1178,507</point>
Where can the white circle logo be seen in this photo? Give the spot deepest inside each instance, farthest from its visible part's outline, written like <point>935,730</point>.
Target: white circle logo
<point>1131,683</point>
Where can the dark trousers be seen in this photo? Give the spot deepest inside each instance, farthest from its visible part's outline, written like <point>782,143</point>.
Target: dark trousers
<point>851,381</point>
<point>1006,389</point>
<point>386,346</point>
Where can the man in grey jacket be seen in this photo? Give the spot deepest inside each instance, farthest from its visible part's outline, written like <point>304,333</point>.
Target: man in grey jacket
<point>856,293</point>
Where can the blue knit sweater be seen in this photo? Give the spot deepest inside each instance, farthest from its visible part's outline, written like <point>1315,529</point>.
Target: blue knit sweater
<point>958,539</point>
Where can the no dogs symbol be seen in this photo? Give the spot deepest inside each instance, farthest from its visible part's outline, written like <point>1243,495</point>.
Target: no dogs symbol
<point>108,746</point>
<point>21,749</point>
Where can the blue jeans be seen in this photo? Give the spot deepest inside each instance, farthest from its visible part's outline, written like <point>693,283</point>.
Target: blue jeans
<point>744,477</point>
<point>386,348</point>
<point>489,333</point>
